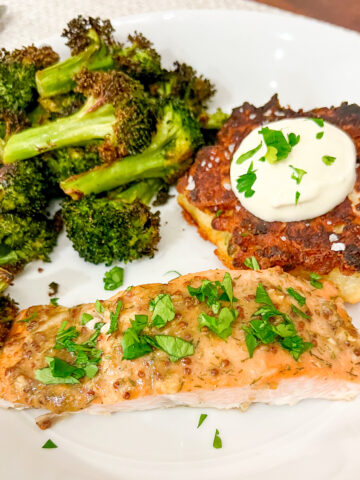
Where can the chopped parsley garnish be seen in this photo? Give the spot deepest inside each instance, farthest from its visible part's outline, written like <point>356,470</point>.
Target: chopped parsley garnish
<point>328,160</point>
<point>218,213</point>
<point>114,318</point>
<point>133,344</point>
<point>297,196</point>
<point>58,371</point>
<point>173,271</point>
<point>297,174</point>
<point>31,317</point>
<point>249,154</point>
<point>114,278</point>
<point>85,318</point>
<point>278,147</point>
<point>319,135</point>
<point>202,418</point>
<point>252,263</point>
<point>175,347</point>
<point>54,301</point>
<point>297,310</point>
<point>262,330</point>
<point>246,181</point>
<point>217,443</point>
<point>99,307</point>
<point>49,444</point>
<point>163,310</point>
<point>318,121</point>
<point>220,325</point>
<point>314,280</point>
<point>213,292</point>
<point>298,297</point>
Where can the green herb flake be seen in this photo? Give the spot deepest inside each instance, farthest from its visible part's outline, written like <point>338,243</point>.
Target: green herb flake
<point>251,342</point>
<point>252,263</point>
<point>314,280</point>
<point>99,307</point>
<point>175,347</point>
<point>217,443</point>
<point>297,196</point>
<point>296,346</point>
<point>85,318</point>
<point>202,418</point>
<point>262,296</point>
<point>114,278</point>
<point>278,147</point>
<point>319,135</point>
<point>49,444</point>
<point>297,310</point>
<point>134,345</point>
<point>162,310</point>
<point>298,297</point>
<point>220,325</point>
<point>246,181</point>
<point>328,160</point>
<point>318,121</point>
<point>54,301</point>
<point>218,213</point>
<point>28,319</point>
<point>58,372</point>
<point>297,174</point>
<point>128,288</point>
<point>249,154</point>
<point>293,139</point>
<point>114,318</point>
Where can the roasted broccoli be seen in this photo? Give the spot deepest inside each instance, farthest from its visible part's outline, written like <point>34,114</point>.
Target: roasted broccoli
<point>183,83</point>
<point>5,280</point>
<point>17,76</point>
<point>23,187</point>
<point>211,124</point>
<point>170,153</point>
<point>139,59</point>
<point>116,109</point>
<point>118,228</point>
<point>26,238</point>
<point>8,312</point>
<point>91,43</point>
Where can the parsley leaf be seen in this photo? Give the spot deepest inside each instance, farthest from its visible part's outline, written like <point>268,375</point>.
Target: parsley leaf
<point>296,346</point>
<point>133,345</point>
<point>54,301</point>
<point>314,277</point>
<point>217,443</point>
<point>99,307</point>
<point>297,196</point>
<point>249,154</point>
<point>227,286</point>
<point>319,135</point>
<point>297,174</point>
<point>175,347</point>
<point>207,292</point>
<point>114,318</point>
<point>318,121</point>
<point>250,340</point>
<point>58,372</point>
<point>85,318</point>
<point>262,296</point>
<point>114,278</point>
<point>220,325</point>
<point>293,139</point>
<point>163,310</point>
<point>246,181</point>
<point>298,297</point>
<point>203,416</point>
<point>218,213</point>
<point>328,160</point>
<point>252,263</point>
<point>49,444</point>
<point>297,310</point>
<point>278,147</point>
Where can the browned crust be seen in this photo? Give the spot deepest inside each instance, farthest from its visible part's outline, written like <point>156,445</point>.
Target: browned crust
<point>290,245</point>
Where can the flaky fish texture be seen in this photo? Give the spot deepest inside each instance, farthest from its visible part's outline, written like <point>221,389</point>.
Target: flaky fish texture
<point>219,373</point>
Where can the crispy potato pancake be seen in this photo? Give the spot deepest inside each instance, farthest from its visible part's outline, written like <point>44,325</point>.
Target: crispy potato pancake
<point>300,247</point>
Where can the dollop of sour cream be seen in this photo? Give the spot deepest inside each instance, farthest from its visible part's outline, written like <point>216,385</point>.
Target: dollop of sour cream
<point>279,197</point>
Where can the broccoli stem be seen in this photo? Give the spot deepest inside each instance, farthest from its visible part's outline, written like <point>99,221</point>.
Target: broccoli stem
<point>148,164</point>
<point>143,191</point>
<point>77,129</point>
<point>58,78</point>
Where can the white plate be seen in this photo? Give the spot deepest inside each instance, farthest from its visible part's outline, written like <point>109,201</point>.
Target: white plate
<point>249,56</point>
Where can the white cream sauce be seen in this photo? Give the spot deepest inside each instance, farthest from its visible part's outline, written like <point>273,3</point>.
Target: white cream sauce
<point>320,189</point>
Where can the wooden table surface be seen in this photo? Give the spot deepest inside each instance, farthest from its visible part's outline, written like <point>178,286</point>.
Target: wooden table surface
<point>340,12</point>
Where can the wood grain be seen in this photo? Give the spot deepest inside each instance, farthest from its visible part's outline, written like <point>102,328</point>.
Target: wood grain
<point>339,12</point>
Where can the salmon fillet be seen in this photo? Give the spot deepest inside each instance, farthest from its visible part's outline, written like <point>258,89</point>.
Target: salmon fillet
<point>220,373</point>
<point>207,199</point>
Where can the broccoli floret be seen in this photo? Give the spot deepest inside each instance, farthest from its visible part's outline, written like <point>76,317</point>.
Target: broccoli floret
<point>211,124</point>
<point>91,43</point>
<point>62,105</point>
<point>8,312</point>
<point>23,187</point>
<point>118,228</point>
<point>139,59</point>
<point>5,280</point>
<point>26,238</point>
<point>17,76</point>
<point>170,153</point>
<point>183,83</point>
<point>116,109</point>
